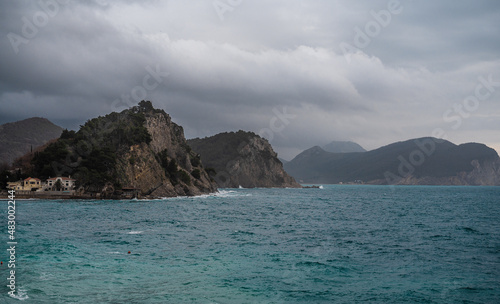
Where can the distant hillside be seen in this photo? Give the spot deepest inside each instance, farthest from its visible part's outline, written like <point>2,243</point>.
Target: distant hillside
<point>283,161</point>
<point>420,161</point>
<point>343,147</point>
<point>138,148</point>
<point>242,159</point>
<point>17,138</point>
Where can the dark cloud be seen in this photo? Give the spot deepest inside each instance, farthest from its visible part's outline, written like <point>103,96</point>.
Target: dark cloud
<point>261,58</point>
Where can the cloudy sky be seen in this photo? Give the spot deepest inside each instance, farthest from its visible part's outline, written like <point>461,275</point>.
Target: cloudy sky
<point>301,73</point>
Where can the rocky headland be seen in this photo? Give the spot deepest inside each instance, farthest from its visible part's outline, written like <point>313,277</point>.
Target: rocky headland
<point>242,159</point>
<point>139,150</point>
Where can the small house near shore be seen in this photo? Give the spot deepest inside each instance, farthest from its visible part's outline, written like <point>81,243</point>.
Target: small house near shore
<point>60,184</point>
<point>32,184</point>
<point>15,185</point>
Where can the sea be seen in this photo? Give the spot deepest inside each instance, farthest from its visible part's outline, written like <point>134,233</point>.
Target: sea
<point>333,244</point>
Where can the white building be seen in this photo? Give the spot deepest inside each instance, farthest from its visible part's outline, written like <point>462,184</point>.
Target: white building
<point>67,183</point>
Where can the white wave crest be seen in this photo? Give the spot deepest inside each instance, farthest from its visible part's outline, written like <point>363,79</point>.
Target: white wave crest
<point>219,193</point>
<point>135,232</point>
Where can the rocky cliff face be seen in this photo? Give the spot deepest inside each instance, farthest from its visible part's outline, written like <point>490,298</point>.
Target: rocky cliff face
<point>141,166</point>
<point>242,159</point>
<point>138,150</point>
<point>486,173</point>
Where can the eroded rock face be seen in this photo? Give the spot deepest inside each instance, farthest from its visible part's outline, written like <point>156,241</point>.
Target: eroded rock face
<point>141,167</point>
<point>243,159</point>
<point>486,173</point>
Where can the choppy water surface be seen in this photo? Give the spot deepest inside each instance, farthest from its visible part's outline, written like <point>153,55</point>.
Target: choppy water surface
<point>339,244</point>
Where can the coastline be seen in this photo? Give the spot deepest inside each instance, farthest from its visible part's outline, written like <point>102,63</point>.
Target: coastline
<point>64,195</point>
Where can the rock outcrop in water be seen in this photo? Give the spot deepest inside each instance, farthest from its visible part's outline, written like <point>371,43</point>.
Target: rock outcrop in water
<point>242,159</point>
<point>139,149</point>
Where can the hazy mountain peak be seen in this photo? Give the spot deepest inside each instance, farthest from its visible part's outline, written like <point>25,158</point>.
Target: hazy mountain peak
<point>343,147</point>
<point>17,138</point>
<point>426,161</point>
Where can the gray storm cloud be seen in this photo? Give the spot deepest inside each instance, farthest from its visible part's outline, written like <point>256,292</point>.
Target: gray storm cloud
<point>417,64</point>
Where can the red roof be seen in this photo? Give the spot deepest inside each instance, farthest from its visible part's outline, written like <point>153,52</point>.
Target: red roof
<point>32,178</point>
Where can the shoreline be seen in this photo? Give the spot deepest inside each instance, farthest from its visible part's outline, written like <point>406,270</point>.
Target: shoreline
<point>70,196</point>
<point>51,196</point>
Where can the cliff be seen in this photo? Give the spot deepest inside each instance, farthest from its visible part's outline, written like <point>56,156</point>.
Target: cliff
<point>486,173</point>
<point>242,159</point>
<point>139,149</point>
<point>422,161</point>
<point>18,138</point>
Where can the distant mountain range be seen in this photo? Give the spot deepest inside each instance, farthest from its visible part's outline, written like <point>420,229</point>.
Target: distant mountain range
<point>337,147</point>
<point>142,138</point>
<point>18,138</point>
<point>423,161</point>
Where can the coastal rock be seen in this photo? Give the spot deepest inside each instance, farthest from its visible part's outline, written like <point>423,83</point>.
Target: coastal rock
<point>486,173</point>
<point>242,159</point>
<point>138,151</point>
<point>146,173</point>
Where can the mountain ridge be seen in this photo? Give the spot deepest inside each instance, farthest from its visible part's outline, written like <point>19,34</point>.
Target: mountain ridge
<point>424,160</point>
<point>20,137</point>
<point>343,147</point>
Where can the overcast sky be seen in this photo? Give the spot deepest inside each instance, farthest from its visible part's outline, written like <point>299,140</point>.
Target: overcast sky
<point>301,73</point>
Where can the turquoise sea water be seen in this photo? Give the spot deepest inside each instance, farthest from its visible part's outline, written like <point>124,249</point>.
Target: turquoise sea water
<point>340,244</point>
